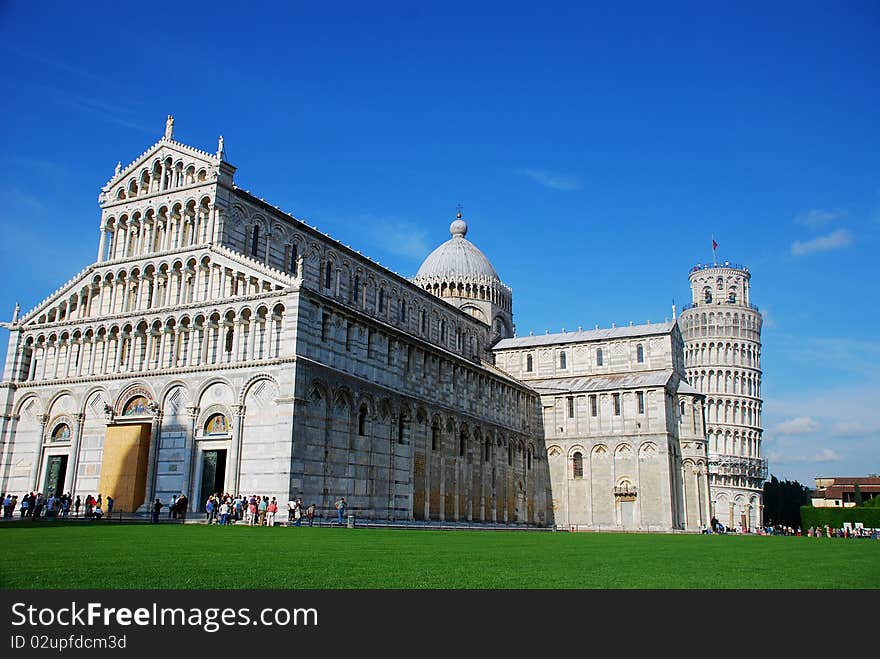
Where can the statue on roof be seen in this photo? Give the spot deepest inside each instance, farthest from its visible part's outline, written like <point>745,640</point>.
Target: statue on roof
<point>169,127</point>
<point>118,168</point>
<point>220,153</point>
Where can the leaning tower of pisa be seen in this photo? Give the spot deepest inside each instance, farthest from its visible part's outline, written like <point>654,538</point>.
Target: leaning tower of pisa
<point>722,338</point>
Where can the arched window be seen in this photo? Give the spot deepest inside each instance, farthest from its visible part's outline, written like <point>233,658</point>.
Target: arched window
<point>423,321</point>
<point>229,340</point>
<point>328,274</point>
<point>435,435</point>
<point>488,450</point>
<point>462,446</point>
<point>577,465</point>
<point>510,455</point>
<point>381,300</point>
<point>562,359</point>
<point>616,400</point>
<point>402,311</point>
<point>255,240</point>
<point>362,421</point>
<point>529,363</point>
<point>731,296</point>
<point>707,294</point>
<point>294,259</point>
<point>719,283</point>
<point>599,357</point>
<point>442,331</point>
<point>529,459</point>
<point>356,288</point>
<point>640,354</point>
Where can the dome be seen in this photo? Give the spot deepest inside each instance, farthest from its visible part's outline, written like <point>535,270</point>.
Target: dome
<point>457,257</point>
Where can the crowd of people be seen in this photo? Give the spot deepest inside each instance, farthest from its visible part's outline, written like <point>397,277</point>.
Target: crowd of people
<point>36,506</point>
<point>255,510</point>
<point>848,531</point>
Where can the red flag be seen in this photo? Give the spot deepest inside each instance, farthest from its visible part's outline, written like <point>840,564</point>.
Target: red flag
<point>714,245</point>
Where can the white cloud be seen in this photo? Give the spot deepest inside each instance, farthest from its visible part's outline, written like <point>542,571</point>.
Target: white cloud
<point>552,179</point>
<point>402,238</point>
<point>835,240</point>
<point>814,219</point>
<point>780,457</point>
<point>853,429</point>
<point>800,425</point>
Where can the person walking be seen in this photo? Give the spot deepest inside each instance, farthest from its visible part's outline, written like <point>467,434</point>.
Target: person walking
<point>172,506</point>
<point>209,510</point>
<point>340,509</point>
<point>76,506</point>
<point>252,512</point>
<point>224,513</point>
<point>261,508</point>
<point>310,513</point>
<point>109,505</point>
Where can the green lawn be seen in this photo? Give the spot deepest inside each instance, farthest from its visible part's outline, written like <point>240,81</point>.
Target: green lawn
<point>77,556</point>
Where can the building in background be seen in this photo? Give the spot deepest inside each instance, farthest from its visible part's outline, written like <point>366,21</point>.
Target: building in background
<point>623,429</point>
<point>844,491</point>
<point>722,355</point>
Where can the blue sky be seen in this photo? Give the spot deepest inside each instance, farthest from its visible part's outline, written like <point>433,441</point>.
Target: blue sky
<point>595,151</point>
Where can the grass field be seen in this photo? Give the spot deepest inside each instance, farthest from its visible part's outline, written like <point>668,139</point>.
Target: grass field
<point>78,556</point>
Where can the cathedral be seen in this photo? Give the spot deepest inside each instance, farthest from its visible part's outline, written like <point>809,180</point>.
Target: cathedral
<point>218,344</point>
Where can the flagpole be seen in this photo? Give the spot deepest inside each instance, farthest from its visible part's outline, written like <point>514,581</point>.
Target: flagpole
<point>714,260</point>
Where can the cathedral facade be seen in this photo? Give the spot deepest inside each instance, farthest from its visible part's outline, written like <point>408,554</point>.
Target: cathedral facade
<point>218,344</point>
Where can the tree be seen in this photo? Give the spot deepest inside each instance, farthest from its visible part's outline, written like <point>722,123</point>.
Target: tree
<point>783,501</point>
<point>857,495</point>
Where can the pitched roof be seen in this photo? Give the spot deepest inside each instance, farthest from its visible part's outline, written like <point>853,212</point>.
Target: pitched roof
<point>630,331</point>
<point>601,382</point>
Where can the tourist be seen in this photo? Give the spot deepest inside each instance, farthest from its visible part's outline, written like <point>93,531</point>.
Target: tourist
<point>298,512</point>
<point>271,509</point>
<point>99,512</point>
<point>157,506</point>
<point>76,506</point>
<point>262,507</point>
<point>109,505</point>
<point>224,513</point>
<point>252,512</point>
<point>209,510</point>
<point>38,505</point>
<point>291,505</point>
<point>340,509</point>
<point>180,507</point>
<point>238,505</point>
<point>25,505</point>
<point>310,513</point>
<point>7,506</point>
<point>172,506</point>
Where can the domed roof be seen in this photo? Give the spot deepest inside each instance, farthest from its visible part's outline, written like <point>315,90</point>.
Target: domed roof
<point>457,257</point>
